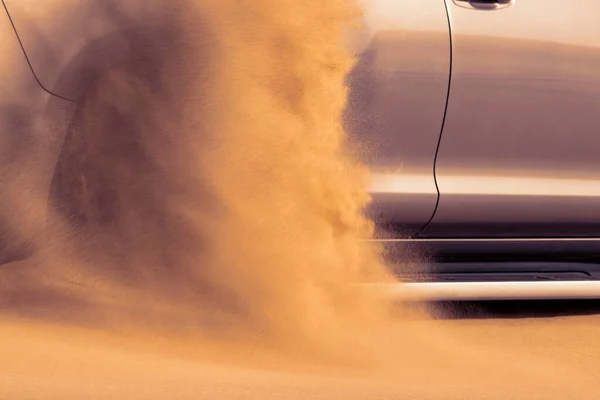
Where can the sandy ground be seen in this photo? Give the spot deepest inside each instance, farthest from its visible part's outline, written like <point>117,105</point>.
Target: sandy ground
<point>497,358</point>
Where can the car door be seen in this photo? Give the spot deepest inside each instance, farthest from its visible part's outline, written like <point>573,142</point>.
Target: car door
<point>397,97</point>
<point>520,150</point>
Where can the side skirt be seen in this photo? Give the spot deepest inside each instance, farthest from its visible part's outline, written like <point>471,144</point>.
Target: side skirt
<point>493,269</point>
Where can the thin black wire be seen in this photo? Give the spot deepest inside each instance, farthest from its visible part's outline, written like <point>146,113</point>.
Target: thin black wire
<point>437,150</point>
<point>27,58</point>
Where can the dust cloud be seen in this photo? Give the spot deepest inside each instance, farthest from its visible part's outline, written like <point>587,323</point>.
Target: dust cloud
<point>205,182</point>
<point>206,225</point>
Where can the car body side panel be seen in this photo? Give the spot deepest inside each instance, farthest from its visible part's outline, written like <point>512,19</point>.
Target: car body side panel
<point>398,92</point>
<point>29,145</point>
<point>66,39</point>
<point>397,95</point>
<point>520,151</point>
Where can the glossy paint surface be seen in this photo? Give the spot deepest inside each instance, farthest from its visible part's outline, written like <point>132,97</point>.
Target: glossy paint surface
<point>398,93</point>
<point>520,152</point>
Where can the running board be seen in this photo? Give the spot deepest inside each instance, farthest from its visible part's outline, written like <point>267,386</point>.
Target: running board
<point>480,291</point>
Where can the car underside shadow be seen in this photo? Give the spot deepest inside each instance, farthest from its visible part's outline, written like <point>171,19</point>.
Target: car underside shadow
<point>512,309</point>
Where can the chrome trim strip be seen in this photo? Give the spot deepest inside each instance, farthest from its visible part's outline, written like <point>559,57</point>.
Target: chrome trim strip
<point>485,185</point>
<point>478,291</point>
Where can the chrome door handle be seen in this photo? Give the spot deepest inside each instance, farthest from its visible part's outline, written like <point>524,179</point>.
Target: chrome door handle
<point>484,4</point>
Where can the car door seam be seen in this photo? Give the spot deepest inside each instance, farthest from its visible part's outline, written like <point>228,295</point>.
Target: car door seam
<point>437,149</point>
<point>27,57</point>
